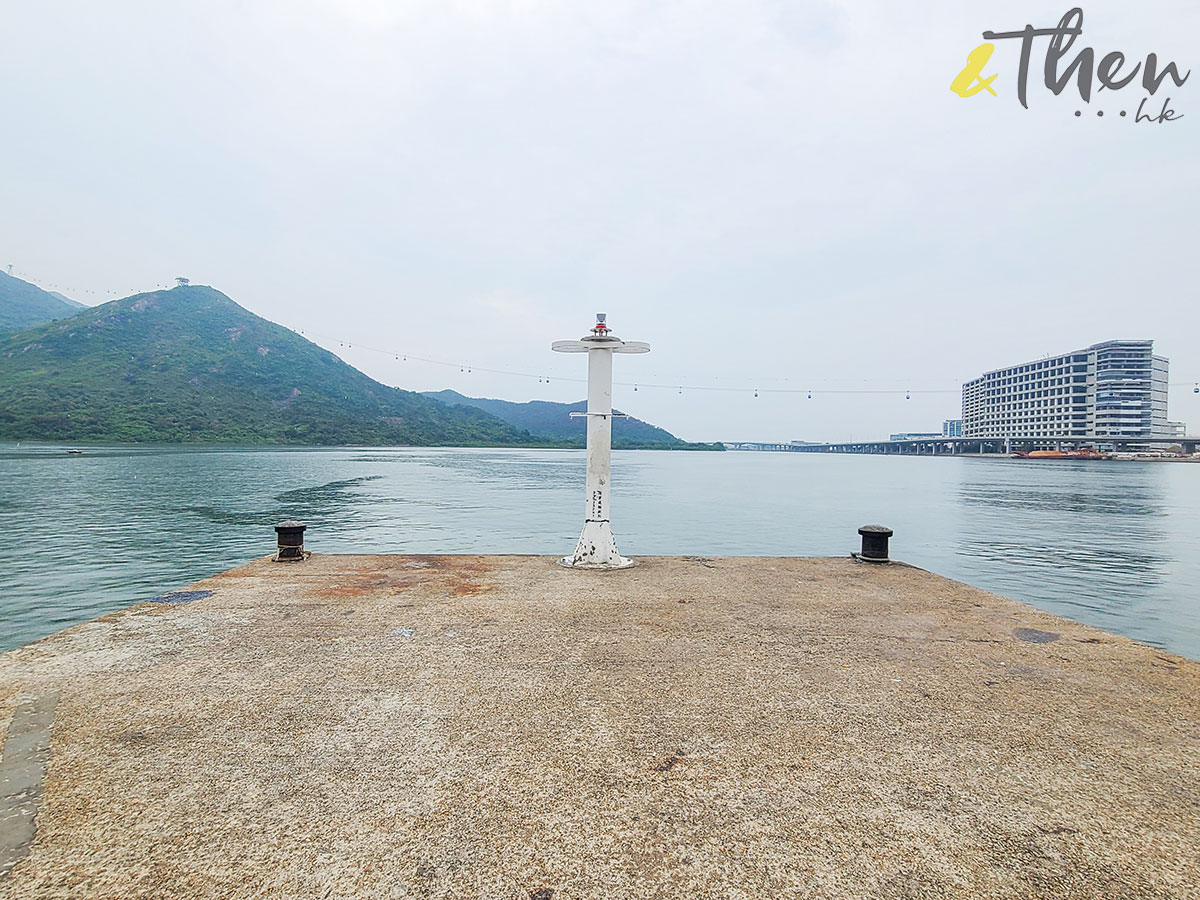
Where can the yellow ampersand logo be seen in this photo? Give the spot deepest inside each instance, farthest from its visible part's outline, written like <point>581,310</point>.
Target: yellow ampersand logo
<point>964,83</point>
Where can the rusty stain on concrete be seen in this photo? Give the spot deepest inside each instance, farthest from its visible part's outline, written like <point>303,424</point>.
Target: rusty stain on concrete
<point>796,728</point>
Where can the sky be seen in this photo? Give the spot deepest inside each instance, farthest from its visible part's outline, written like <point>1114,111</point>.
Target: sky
<point>778,196</point>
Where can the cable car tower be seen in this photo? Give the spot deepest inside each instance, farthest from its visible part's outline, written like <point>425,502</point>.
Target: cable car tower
<point>597,549</point>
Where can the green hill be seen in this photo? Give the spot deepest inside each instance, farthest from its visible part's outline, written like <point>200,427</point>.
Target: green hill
<point>23,304</point>
<point>552,422</point>
<point>190,365</point>
<point>74,305</point>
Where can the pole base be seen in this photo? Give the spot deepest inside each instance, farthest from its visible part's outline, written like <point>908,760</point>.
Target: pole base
<point>596,549</point>
<point>568,562</point>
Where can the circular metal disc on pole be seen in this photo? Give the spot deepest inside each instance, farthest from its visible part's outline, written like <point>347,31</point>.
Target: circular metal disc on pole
<point>569,346</point>
<point>596,547</point>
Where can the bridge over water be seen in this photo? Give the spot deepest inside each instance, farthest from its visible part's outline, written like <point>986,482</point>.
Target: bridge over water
<point>945,446</point>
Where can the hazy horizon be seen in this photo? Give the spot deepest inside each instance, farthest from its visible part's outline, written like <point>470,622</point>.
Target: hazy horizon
<point>773,195</point>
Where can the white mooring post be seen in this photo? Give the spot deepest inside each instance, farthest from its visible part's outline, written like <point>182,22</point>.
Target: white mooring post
<point>597,549</point>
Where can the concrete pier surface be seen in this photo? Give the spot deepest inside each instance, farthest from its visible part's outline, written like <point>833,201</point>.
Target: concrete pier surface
<point>470,726</point>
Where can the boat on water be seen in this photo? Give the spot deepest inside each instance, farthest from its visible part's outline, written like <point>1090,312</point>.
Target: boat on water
<point>1081,453</point>
<point>75,452</point>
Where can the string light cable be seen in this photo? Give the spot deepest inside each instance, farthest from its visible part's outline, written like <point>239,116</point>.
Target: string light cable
<point>672,385</point>
<point>680,386</point>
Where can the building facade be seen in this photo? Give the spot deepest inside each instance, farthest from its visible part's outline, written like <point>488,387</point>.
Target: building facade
<point>1117,389</point>
<point>952,428</point>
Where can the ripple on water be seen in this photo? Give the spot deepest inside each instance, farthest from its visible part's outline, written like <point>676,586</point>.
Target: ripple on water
<point>1108,544</point>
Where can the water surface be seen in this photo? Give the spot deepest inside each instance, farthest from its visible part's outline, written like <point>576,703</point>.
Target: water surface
<point>1108,543</point>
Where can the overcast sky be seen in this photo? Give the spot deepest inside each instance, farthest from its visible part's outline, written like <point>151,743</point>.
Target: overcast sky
<point>773,194</point>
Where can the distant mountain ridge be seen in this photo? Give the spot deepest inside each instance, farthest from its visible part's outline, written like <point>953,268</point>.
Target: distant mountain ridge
<point>552,422</point>
<point>74,304</point>
<point>190,365</point>
<point>23,305</point>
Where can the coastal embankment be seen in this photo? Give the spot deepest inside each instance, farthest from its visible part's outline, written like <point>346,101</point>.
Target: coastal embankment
<point>498,726</point>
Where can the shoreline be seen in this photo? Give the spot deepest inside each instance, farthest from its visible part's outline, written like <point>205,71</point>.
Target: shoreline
<point>66,447</point>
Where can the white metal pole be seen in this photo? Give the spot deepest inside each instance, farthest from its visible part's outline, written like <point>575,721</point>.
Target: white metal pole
<point>596,547</point>
<point>599,433</point>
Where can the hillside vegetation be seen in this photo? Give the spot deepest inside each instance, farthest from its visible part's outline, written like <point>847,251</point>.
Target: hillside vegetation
<point>190,365</point>
<point>23,304</point>
<point>553,422</point>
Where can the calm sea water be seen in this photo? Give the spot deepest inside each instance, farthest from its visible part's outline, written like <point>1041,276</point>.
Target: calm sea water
<point>1111,544</point>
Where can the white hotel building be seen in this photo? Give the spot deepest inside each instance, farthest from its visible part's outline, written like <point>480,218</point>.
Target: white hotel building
<point>1117,389</point>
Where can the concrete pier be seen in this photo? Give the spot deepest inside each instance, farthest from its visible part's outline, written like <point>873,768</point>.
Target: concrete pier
<point>453,726</point>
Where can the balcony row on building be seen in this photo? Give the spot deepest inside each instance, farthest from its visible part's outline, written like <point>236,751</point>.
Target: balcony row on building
<point>1117,389</point>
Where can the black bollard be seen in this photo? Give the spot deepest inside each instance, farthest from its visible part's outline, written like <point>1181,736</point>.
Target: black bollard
<point>290,537</point>
<point>874,543</point>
